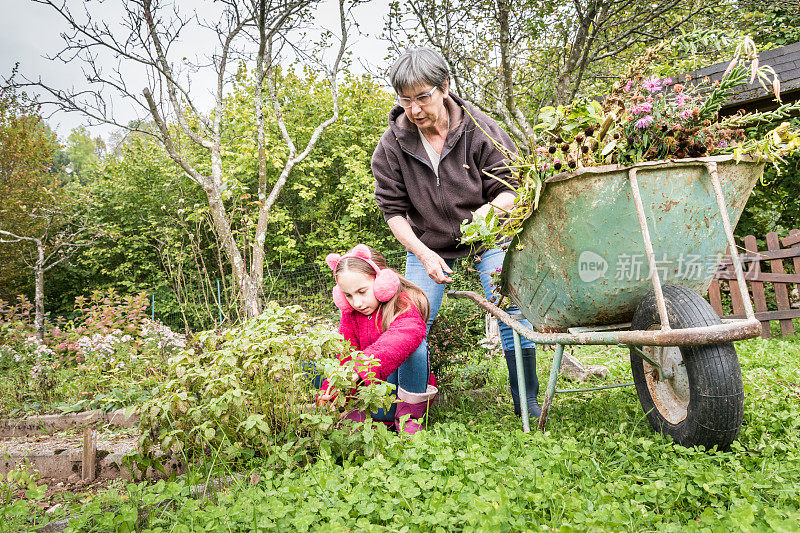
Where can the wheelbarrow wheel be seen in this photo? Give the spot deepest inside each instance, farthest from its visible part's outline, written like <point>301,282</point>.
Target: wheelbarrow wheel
<point>699,399</point>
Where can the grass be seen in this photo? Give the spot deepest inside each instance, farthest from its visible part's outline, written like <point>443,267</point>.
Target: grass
<point>598,467</point>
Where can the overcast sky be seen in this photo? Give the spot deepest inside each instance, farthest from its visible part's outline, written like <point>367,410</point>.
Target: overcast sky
<point>29,31</point>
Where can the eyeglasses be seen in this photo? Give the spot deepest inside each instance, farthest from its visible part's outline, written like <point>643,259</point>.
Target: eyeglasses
<point>422,99</point>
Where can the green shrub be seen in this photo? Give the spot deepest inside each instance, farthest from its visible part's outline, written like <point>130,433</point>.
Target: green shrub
<point>244,390</point>
<point>456,332</point>
<point>19,496</point>
<point>110,356</point>
<point>598,467</point>
<point>16,322</point>
<point>104,317</point>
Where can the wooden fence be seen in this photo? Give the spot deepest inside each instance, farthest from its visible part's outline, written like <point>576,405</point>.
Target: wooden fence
<point>784,284</point>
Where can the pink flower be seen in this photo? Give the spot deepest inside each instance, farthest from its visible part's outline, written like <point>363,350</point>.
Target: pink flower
<point>681,99</point>
<point>644,107</point>
<point>541,149</point>
<point>628,86</point>
<point>686,115</point>
<point>667,81</point>
<point>644,122</point>
<point>722,144</point>
<point>652,84</point>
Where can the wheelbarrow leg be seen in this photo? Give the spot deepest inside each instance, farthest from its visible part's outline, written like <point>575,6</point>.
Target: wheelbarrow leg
<point>551,385</point>
<point>523,393</point>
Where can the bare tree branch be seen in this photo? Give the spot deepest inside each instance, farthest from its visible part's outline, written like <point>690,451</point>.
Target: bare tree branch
<point>535,51</point>
<point>294,158</point>
<point>145,41</point>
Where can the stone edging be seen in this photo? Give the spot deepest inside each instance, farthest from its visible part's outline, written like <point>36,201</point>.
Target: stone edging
<point>45,424</point>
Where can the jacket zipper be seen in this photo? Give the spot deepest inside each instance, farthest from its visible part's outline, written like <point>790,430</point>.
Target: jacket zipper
<point>438,182</point>
<point>438,186</point>
<point>441,193</point>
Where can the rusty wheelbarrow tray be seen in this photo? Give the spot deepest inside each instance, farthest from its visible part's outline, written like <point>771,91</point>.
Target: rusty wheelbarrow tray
<point>662,225</point>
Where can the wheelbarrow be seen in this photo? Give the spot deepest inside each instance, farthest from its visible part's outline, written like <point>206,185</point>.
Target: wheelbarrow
<point>619,256</point>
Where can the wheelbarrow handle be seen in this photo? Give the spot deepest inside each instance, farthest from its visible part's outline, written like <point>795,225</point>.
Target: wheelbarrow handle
<point>732,330</point>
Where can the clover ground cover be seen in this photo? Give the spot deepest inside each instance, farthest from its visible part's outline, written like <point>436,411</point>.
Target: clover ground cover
<point>598,467</point>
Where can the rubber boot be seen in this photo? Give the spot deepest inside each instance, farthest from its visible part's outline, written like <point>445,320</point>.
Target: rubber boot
<point>355,416</point>
<point>415,405</point>
<point>531,381</point>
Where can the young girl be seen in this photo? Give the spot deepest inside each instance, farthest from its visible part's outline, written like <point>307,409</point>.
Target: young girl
<point>384,315</point>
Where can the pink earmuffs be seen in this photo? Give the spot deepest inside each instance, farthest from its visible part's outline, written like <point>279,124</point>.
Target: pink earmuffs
<point>386,280</point>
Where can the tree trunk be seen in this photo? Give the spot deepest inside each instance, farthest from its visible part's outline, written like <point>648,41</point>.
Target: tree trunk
<point>247,291</point>
<point>39,295</point>
<point>576,54</point>
<point>250,296</point>
<point>504,8</point>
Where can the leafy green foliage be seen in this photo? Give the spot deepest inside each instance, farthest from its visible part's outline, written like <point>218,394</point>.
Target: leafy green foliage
<point>328,203</point>
<point>481,230</point>
<point>19,496</point>
<point>772,22</point>
<point>599,467</point>
<point>454,335</point>
<point>103,312</point>
<point>157,235</point>
<point>110,357</point>
<point>29,177</point>
<point>246,390</point>
<point>773,206</point>
<point>458,351</point>
<point>141,204</point>
<point>83,153</point>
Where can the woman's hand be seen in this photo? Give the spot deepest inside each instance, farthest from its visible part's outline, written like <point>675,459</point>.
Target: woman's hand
<point>482,211</point>
<point>436,267</point>
<point>502,204</point>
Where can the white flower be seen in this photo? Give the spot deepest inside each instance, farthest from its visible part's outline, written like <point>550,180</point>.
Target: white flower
<point>8,351</point>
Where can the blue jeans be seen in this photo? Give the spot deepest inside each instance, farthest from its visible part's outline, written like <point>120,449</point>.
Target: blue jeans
<point>489,262</point>
<point>412,375</point>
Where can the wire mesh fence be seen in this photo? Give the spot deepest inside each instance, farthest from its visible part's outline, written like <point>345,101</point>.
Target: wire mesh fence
<point>308,286</point>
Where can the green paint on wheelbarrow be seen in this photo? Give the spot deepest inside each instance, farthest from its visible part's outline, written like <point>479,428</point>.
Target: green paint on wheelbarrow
<point>580,258</point>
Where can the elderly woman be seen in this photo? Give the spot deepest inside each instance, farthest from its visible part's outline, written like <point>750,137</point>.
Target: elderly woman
<point>433,169</point>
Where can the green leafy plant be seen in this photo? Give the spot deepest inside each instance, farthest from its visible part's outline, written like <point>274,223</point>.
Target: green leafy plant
<point>245,390</point>
<point>598,467</point>
<point>454,335</point>
<point>19,495</point>
<point>112,355</point>
<point>17,324</point>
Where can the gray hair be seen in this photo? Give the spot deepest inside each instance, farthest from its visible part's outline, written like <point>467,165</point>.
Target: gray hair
<point>419,66</point>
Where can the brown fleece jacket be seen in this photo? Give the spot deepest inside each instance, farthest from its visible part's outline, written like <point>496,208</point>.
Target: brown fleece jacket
<point>406,185</point>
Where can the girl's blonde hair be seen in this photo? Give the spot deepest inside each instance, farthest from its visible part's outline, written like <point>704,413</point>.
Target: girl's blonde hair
<point>398,304</point>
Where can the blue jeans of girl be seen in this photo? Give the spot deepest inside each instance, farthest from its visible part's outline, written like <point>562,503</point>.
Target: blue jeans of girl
<point>412,375</point>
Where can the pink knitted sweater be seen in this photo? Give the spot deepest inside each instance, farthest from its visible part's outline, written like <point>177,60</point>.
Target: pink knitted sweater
<point>391,347</point>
